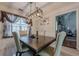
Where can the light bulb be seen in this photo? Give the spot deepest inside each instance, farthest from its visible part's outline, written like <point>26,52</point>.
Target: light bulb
<point>38,14</point>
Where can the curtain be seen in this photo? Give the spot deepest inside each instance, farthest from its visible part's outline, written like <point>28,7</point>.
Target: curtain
<point>12,19</point>
<point>8,17</point>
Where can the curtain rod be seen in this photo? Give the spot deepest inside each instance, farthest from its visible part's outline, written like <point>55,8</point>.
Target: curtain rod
<point>14,14</point>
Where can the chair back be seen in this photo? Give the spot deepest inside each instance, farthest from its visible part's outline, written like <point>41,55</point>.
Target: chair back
<point>59,41</point>
<point>17,41</point>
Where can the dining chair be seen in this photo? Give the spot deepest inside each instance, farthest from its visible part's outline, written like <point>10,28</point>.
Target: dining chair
<point>20,47</point>
<point>57,45</point>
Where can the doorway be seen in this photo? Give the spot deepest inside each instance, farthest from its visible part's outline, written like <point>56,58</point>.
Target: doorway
<point>67,22</point>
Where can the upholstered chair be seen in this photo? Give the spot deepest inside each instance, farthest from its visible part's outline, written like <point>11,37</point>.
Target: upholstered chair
<point>55,47</point>
<point>20,48</point>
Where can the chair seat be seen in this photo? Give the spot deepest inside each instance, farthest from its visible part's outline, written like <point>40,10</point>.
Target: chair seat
<point>53,44</point>
<point>24,47</point>
<point>43,53</point>
<point>46,52</point>
<point>49,51</point>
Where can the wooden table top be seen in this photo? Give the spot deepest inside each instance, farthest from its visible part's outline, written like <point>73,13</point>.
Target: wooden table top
<point>37,44</point>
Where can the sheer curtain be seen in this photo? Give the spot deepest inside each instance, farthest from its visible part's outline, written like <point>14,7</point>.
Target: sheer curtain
<point>13,23</point>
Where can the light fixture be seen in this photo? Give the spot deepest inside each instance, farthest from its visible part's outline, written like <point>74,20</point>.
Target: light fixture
<point>37,13</point>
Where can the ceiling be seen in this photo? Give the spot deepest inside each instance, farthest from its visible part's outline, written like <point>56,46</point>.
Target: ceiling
<point>24,7</point>
<point>22,4</point>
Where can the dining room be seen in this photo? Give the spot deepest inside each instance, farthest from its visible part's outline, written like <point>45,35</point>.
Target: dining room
<point>39,28</point>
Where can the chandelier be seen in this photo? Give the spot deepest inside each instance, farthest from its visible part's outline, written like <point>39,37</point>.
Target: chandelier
<point>38,11</point>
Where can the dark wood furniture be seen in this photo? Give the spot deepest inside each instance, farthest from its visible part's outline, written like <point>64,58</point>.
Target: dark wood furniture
<point>70,42</point>
<point>36,45</point>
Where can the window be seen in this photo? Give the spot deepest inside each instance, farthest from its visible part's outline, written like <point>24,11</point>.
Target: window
<point>19,25</point>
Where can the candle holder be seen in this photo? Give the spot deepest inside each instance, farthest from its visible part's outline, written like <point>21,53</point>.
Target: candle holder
<point>37,35</point>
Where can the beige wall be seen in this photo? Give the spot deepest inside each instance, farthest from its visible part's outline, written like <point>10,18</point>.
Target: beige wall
<point>50,28</point>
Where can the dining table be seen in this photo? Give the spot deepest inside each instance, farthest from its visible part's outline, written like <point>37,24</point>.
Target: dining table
<point>37,45</point>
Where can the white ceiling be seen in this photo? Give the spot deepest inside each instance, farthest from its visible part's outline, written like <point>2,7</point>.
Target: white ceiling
<point>25,6</point>
<point>22,5</point>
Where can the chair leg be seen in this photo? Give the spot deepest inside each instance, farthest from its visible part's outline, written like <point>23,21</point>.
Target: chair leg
<point>16,53</point>
<point>35,54</point>
<point>20,53</point>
